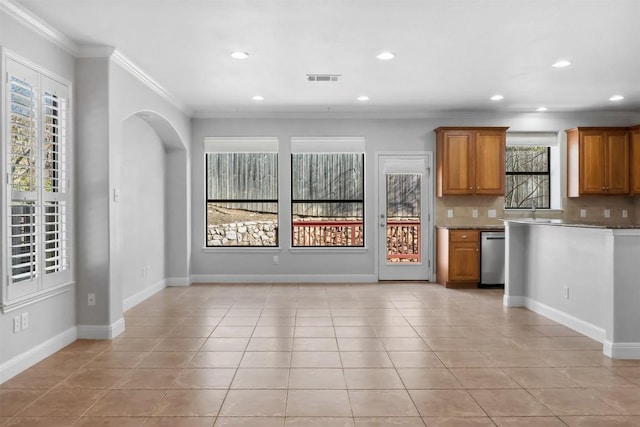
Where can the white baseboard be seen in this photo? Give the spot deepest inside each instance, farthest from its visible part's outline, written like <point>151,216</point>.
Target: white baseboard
<point>178,281</point>
<point>621,350</point>
<point>138,297</point>
<point>101,332</point>
<point>283,278</point>
<point>23,361</point>
<point>579,325</point>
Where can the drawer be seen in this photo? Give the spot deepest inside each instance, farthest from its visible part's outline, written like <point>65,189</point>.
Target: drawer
<point>464,236</point>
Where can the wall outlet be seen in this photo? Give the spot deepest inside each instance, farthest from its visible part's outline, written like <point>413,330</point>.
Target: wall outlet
<point>276,260</point>
<point>17,324</point>
<point>24,320</point>
<point>565,292</point>
<point>625,214</point>
<point>583,213</point>
<point>145,271</point>
<point>491,213</point>
<point>474,213</point>
<point>607,213</point>
<point>91,299</point>
<point>449,213</point>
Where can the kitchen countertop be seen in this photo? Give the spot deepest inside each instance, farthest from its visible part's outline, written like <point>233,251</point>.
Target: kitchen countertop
<point>563,223</point>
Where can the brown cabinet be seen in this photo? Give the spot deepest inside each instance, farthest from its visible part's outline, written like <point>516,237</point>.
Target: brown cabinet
<point>634,139</point>
<point>597,161</point>
<point>458,258</point>
<point>470,161</point>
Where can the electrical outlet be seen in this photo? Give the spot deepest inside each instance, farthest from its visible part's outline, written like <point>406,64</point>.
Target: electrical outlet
<point>566,292</point>
<point>91,299</point>
<point>275,260</point>
<point>491,213</point>
<point>449,213</point>
<point>25,320</point>
<point>474,213</point>
<point>17,324</point>
<point>607,213</point>
<point>624,213</point>
<point>583,213</point>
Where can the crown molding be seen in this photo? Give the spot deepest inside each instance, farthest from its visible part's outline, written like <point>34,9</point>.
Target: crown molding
<point>31,21</point>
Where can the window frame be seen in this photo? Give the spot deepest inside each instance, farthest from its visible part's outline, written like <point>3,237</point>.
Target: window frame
<point>329,145</point>
<point>530,173</point>
<point>240,145</point>
<point>52,130</point>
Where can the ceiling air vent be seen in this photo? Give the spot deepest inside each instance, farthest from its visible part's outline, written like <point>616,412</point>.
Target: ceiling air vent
<point>323,77</point>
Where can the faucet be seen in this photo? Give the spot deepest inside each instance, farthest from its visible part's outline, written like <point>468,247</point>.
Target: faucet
<point>534,203</point>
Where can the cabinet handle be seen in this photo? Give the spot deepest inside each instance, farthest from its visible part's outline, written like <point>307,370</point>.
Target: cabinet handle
<point>477,249</point>
<point>470,188</point>
<point>464,236</point>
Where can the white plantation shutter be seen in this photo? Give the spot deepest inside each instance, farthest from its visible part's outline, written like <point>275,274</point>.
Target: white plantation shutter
<point>35,141</point>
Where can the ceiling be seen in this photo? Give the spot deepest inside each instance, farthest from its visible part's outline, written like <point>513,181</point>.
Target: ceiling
<point>451,55</point>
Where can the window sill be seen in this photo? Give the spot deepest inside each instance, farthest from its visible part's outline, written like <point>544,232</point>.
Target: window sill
<point>241,249</point>
<point>21,302</point>
<point>333,250</point>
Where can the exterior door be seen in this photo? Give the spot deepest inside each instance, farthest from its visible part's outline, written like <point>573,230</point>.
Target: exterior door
<point>404,226</point>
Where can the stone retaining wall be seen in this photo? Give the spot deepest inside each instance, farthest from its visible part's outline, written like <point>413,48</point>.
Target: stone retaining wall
<point>252,233</point>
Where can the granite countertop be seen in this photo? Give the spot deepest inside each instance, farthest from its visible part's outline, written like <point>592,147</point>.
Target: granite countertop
<point>562,223</point>
<point>472,227</point>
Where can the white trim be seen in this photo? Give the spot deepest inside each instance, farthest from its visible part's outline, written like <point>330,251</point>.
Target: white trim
<point>101,332</point>
<point>138,297</point>
<point>146,79</point>
<point>327,144</point>
<point>35,297</point>
<point>177,281</point>
<point>39,26</point>
<point>240,144</point>
<point>283,278</point>
<point>27,359</point>
<point>590,330</point>
<point>622,350</point>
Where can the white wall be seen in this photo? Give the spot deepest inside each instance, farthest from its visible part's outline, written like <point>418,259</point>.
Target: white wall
<point>382,135</point>
<point>52,320</point>
<point>142,207</point>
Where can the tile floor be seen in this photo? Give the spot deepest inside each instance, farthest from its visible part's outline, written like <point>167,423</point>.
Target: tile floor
<point>328,355</point>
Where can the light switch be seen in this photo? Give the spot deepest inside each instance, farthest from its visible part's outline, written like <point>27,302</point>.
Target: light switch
<point>624,213</point>
<point>583,213</point>
<point>607,213</point>
<point>449,213</point>
<point>474,213</point>
<point>491,213</point>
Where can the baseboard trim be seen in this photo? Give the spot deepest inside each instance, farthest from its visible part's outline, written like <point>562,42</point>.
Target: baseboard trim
<point>27,359</point>
<point>178,281</point>
<point>621,350</point>
<point>101,332</point>
<point>579,325</point>
<point>137,298</point>
<point>283,278</point>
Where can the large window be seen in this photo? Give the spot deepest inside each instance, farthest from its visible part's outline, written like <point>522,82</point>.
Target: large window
<point>528,170</point>
<point>37,184</point>
<point>327,192</point>
<point>242,192</point>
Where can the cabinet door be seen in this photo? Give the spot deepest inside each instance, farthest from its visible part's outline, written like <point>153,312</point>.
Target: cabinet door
<point>489,166</point>
<point>617,146</point>
<point>635,160</point>
<point>464,262</point>
<point>457,168</point>
<point>592,163</point>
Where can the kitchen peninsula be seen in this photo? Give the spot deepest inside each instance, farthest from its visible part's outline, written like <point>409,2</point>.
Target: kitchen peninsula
<point>584,276</point>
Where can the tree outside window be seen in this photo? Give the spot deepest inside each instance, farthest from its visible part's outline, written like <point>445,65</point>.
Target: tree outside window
<point>527,177</point>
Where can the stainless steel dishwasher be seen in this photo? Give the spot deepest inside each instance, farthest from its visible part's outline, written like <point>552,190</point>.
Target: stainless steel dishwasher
<point>492,258</point>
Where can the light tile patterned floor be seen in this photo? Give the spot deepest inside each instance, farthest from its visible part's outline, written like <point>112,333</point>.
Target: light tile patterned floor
<point>393,354</point>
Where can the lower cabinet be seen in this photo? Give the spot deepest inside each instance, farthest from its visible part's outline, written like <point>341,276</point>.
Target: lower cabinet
<point>458,258</point>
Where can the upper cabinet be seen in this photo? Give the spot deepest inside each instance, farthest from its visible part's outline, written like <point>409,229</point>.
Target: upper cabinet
<point>634,135</point>
<point>470,161</point>
<point>597,161</point>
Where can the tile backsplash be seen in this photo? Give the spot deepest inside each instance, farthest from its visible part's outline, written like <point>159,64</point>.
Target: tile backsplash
<point>462,208</point>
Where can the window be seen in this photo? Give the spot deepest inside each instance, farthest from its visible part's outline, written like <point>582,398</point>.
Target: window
<point>37,184</point>
<point>242,192</point>
<point>327,192</point>
<point>528,170</point>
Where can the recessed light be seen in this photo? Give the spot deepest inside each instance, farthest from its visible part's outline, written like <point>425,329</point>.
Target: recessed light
<point>541,109</point>
<point>497,98</point>
<point>562,63</point>
<point>363,98</point>
<point>258,98</point>
<point>385,56</point>
<point>616,98</point>
<point>239,55</point>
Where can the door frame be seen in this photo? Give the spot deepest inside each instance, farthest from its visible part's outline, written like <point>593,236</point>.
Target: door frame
<point>427,224</point>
